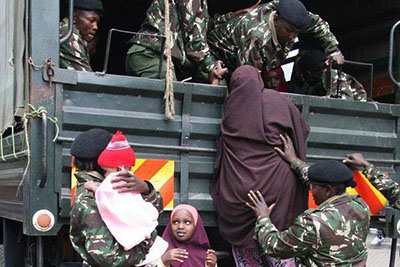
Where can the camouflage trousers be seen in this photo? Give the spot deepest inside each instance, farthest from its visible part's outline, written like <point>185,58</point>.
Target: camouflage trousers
<point>144,62</point>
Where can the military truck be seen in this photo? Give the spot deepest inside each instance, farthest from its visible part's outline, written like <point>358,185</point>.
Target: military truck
<point>43,108</point>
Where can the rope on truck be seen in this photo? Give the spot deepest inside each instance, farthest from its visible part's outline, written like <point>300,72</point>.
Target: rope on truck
<point>169,89</point>
<point>35,113</point>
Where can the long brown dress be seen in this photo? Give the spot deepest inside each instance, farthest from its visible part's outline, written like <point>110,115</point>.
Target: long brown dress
<point>253,118</point>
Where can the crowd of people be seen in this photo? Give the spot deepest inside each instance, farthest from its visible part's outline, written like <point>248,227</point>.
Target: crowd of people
<point>258,169</point>
<point>208,49</point>
<point>261,179</point>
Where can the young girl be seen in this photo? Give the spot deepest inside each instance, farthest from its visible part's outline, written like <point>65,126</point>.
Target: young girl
<point>188,244</point>
<point>275,79</point>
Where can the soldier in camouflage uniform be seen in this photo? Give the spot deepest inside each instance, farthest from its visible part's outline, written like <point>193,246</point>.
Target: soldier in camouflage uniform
<point>74,53</point>
<point>382,182</point>
<point>334,234</point>
<point>88,233</point>
<point>191,54</point>
<point>310,77</point>
<point>263,37</point>
<point>389,188</point>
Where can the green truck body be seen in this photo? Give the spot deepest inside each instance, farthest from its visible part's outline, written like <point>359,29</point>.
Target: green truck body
<point>81,101</point>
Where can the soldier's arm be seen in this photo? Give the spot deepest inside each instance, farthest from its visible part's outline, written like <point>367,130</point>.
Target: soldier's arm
<point>194,19</point>
<point>154,197</point>
<point>288,153</point>
<point>230,15</point>
<point>100,245</point>
<point>389,188</point>
<point>221,19</point>
<point>301,169</point>
<point>319,29</point>
<point>299,239</point>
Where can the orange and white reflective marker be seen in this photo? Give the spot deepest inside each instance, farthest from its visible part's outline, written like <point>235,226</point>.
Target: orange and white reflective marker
<point>159,172</point>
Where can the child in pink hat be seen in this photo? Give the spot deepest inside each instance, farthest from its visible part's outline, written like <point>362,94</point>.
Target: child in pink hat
<point>129,218</point>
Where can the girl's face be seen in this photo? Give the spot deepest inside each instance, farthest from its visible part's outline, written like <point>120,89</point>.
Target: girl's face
<point>182,225</point>
<point>109,170</point>
<point>273,81</point>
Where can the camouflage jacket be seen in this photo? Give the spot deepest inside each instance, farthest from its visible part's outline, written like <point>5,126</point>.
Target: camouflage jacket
<point>74,53</point>
<point>189,22</point>
<point>250,39</point>
<point>333,235</point>
<point>351,89</point>
<point>389,188</point>
<point>90,236</point>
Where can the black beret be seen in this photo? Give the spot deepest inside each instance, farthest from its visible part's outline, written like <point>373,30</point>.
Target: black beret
<point>294,12</point>
<point>89,5</point>
<point>312,60</point>
<point>330,172</point>
<point>90,144</point>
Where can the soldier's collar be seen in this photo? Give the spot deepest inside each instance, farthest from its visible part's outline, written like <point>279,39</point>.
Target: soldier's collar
<point>89,176</point>
<point>65,21</point>
<point>273,30</point>
<point>331,199</point>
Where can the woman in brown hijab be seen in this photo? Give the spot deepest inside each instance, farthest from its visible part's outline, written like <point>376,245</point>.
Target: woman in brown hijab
<point>253,119</point>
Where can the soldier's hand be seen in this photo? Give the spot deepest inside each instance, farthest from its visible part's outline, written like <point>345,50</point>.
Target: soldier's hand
<point>246,10</point>
<point>211,258</point>
<point>258,204</point>
<point>216,74</point>
<point>175,254</point>
<point>91,186</point>
<point>337,58</point>
<point>356,160</point>
<point>130,183</point>
<point>288,153</point>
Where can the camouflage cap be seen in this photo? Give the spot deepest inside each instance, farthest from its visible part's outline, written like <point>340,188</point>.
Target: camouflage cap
<point>89,5</point>
<point>294,12</point>
<point>330,172</point>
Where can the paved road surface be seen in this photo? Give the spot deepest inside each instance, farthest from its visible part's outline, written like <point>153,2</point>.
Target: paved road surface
<point>379,256</point>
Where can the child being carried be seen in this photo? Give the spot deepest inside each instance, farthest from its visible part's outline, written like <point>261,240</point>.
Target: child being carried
<point>129,218</point>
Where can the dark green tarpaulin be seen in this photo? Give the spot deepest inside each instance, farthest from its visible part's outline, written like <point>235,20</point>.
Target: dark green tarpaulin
<point>12,44</point>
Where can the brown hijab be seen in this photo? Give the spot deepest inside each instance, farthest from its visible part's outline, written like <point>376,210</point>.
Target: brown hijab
<point>252,121</point>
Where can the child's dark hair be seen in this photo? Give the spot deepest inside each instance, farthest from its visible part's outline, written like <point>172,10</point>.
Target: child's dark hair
<point>88,165</point>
